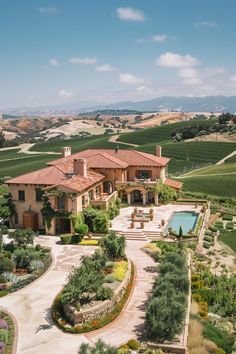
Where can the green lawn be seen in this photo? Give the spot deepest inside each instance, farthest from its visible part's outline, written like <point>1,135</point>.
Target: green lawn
<point>24,165</point>
<point>158,134</point>
<point>229,238</point>
<point>79,144</point>
<point>223,186</point>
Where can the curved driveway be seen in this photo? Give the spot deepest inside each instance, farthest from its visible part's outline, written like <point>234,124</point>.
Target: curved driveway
<point>31,305</point>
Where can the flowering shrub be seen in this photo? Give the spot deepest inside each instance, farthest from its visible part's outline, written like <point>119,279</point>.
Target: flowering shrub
<point>3,324</point>
<point>2,347</point>
<point>120,270</point>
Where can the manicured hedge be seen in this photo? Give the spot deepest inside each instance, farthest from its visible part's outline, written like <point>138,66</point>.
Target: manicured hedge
<point>227,217</point>
<point>208,239</point>
<point>230,225</point>
<point>206,245</point>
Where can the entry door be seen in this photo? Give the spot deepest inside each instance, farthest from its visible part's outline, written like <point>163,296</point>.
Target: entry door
<point>138,197</point>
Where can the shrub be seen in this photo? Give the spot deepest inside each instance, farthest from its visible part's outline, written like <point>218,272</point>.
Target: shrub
<point>6,265</point>
<point>230,225</point>
<point>101,222</point>
<point>120,270</point>
<point>109,278</point>
<point>3,280</point>
<point>219,337</point>
<point>118,202</point>
<point>3,324</point>
<point>133,344</point>
<point>38,247</point>
<point>213,229</point>
<point>82,230</point>
<point>113,246</point>
<point>4,336</point>
<point>227,217</point>
<point>22,238</point>
<point>206,245</point>
<point>104,293</point>
<point>66,238</point>
<point>208,239</point>
<point>35,265</point>
<point>89,243</point>
<point>208,233</point>
<point>219,351</point>
<point>2,347</point>
<point>3,293</point>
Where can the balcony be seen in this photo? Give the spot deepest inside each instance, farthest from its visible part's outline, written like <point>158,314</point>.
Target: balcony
<point>137,182</point>
<point>104,199</point>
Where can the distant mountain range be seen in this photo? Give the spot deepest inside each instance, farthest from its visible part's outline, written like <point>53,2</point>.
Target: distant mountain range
<point>215,104</point>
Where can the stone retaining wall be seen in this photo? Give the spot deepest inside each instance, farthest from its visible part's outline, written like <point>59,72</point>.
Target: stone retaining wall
<point>96,312</point>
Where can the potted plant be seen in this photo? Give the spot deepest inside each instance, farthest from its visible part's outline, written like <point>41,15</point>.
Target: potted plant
<point>132,225</point>
<point>162,222</point>
<point>142,225</point>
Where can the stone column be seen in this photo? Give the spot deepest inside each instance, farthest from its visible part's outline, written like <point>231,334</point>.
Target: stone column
<point>144,198</point>
<point>129,198</point>
<point>156,198</point>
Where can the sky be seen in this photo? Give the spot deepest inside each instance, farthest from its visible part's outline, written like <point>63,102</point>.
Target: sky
<point>104,51</point>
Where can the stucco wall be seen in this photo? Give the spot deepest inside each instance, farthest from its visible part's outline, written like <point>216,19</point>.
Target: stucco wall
<point>30,201</point>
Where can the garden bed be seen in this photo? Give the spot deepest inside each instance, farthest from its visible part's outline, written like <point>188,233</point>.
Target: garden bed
<point>7,333</point>
<point>61,322</point>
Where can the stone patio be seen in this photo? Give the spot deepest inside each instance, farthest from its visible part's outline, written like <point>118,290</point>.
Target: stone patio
<point>122,222</point>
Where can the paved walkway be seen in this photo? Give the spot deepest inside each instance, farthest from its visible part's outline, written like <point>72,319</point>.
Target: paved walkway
<point>31,305</point>
<point>25,149</point>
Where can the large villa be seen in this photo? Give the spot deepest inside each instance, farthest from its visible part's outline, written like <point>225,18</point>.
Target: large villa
<point>90,177</point>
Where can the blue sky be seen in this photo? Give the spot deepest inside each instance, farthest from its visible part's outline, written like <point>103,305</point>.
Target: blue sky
<point>103,51</point>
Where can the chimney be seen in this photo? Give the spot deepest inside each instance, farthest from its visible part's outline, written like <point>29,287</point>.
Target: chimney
<point>80,167</point>
<point>66,151</point>
<point>158,150</point>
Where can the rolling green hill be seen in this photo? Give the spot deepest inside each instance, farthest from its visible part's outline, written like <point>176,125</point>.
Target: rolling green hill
<point>78,144</point>
<point>223,186</point>
<point>189,155</point>
<point>158,134</point>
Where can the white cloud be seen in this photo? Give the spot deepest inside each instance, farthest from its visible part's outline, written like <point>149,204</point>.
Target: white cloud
<point>104,68</point>
<point>140,40</point>
<point>159,38</point>
<point>205,24</point>
<point>48,10</point>
<point>233,78</point>
<point>54,62</point>
<point>127,78</point>
<point>86,60</point>
<point>130,14</point>
<point>190,76</point>
<point>65,94</point>
<point>173,60</point>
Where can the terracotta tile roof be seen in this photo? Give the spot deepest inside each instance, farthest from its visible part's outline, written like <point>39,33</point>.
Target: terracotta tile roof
<point>174,184</point>
<point>46,176</point>
<point>58,176</point>
<point>107,158</point>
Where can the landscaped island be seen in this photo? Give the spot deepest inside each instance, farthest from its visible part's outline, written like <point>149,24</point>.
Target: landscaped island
<point>95,292</point>
<point>20,261</point>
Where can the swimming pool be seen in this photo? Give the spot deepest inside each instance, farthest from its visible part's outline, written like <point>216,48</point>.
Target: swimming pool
<point>186,219</point>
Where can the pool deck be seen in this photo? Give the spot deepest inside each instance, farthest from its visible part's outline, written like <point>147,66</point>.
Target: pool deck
<point>164,212</point>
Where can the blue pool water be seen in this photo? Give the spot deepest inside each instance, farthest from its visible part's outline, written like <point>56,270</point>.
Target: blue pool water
<point>187,220</point>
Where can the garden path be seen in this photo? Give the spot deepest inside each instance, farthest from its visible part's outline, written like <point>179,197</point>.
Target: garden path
<point>31,305</point>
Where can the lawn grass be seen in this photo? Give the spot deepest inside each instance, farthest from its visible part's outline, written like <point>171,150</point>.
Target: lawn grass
<point>231,159</point>
<point>9,154</point>
<point>24,165</point>
<point>79,144</point>
<point>222,186</point>
<point>158,134</point>
<point>228,238</point>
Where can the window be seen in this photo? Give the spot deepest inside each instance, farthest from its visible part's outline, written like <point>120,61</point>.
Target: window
<point>21,195</point>
<point>61,202</point>
<point>98,190</point>
<point>38,195</point>
<point>16,218</point>
<point>83,201</point>
<point>143,174</point>
<point>90,195</point>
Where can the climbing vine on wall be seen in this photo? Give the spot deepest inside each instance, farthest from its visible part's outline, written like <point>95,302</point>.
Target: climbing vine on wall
<point>49,213</point>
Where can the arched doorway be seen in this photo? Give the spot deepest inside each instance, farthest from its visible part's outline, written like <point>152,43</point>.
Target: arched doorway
<point>137,196</point>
